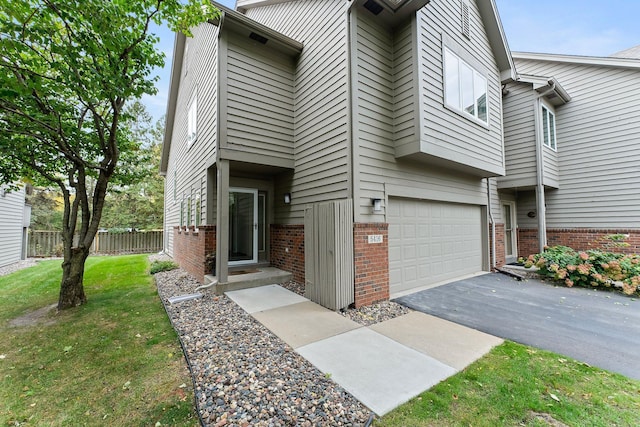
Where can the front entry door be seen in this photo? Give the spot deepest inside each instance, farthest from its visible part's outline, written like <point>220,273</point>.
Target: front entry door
<point>510,237</point>
<point>243,226</point>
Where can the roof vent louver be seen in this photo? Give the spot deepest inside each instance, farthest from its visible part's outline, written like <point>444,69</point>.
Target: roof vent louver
<point>258,38</point>
<point>373,7</point>
<point>466,31</point>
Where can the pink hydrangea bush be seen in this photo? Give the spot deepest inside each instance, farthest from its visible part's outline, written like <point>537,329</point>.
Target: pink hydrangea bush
<point>591,268</point>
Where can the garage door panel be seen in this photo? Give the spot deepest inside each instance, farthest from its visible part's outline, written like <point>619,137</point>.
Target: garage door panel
<point>432,241</point>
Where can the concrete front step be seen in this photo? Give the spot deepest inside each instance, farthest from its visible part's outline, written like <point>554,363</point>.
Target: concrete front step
<point>263,276</point>
<point>529,273</point>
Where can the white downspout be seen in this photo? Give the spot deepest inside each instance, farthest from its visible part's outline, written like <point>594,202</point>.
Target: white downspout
<point>540,197</point>
<point>493,226</point>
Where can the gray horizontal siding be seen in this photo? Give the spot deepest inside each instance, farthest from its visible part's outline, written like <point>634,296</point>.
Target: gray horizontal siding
<point>321,131</point>
<point>598,136</point>
<point>189,163</point>
<point>551,172</point>
<point>447,131</point>
<point>260,100</point>
<point>519,137</point>
<point>404,86</point>
<point>383,121</point>
<point>11,226</point>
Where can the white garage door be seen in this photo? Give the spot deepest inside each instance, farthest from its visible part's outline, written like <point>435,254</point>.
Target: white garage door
<point>432,241</point>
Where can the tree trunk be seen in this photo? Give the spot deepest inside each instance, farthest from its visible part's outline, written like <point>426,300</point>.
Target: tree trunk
<point>72,288</point>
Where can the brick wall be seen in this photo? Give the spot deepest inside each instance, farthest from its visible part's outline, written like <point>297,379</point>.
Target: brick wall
<point>371,262</point>
<point>500,246</point>
<point>287,249</point>
<point>580,239</point>
<point>190,247</point>
<point>527,242</point>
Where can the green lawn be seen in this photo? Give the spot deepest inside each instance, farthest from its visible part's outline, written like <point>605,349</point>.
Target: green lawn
<point>114,361</point>
<point>516,385</point>
<point>117,361</point>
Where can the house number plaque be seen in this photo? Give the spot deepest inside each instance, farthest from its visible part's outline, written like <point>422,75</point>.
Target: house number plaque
<point>375,238</point>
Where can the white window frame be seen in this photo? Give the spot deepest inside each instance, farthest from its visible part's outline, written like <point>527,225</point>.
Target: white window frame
<point>453,62</point>
<point>549,134</point>
<point>192,120</point>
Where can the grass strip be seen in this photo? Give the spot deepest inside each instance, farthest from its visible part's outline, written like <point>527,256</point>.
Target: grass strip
<point>114,361</point>
<point>516,385</point>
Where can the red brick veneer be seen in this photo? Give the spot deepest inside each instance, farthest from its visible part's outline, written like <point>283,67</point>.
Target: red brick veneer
<point>580,239</point>
<point>191,246</point>
<point>287,249</point>
<point>500,246</point>
<point>371,262</point>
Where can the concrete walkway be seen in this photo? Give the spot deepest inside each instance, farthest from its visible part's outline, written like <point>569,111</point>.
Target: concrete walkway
<point>383,365</point>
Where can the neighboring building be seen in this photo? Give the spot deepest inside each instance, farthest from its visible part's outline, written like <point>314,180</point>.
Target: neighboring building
<point>14,219</point>
<point>339,140</point>
<point>572,143</point>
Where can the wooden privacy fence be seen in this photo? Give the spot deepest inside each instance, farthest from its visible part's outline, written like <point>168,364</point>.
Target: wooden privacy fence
<point>328,253</point>
<point>49,243</point>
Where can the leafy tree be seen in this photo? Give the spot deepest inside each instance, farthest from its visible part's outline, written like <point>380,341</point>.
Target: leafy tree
<point>67,69</point>
<point>139,205</point>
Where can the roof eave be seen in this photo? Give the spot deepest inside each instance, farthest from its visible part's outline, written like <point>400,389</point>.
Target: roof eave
<point>604,61</point>
<point>497,39</point>
<point>276,39</point>
<point>174,84</point>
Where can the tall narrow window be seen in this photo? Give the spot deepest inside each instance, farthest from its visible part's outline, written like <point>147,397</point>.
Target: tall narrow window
<point>465,88</point>
<point>189,208</point>
<point>192,122</point>
<point>181,212</point>
<point>549,128</point>
<point>198,210</point>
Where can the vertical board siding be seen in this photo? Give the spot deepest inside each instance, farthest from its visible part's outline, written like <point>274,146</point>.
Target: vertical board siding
<point>519,136</point>
<point>321,129</point>
<point>11,225</point>
<point>190,162</point>
<point>328,241</point>
<point>441,126</point>
<point>260,100</point>
<point>598,135</point>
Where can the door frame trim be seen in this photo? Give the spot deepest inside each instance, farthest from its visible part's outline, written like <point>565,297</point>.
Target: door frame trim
<point>253,191</point>
<point>509,258</point>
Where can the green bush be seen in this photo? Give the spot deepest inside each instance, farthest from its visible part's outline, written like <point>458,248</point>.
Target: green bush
<point>160,266</point>
<point>592,268</point>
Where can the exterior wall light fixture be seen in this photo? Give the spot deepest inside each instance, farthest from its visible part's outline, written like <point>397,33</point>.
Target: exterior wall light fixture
<point>377,205</point>
<point>287,198</point>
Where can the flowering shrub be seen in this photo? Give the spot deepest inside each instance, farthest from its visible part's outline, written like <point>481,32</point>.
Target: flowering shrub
<point>588,269</point>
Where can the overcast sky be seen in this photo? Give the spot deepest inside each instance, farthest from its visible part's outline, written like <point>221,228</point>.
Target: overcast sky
<point>574,27</point>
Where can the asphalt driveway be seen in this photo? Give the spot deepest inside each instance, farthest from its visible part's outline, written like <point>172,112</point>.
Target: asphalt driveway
<point>597,327</point>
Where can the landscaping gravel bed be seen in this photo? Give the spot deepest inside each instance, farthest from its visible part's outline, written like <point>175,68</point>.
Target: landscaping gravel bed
<point>26,263</point>
<point>243,374</point>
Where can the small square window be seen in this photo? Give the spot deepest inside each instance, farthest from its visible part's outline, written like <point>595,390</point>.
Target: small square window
<point>465,88</point>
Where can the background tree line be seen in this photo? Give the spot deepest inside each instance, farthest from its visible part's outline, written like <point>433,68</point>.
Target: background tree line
<point>135,206</point>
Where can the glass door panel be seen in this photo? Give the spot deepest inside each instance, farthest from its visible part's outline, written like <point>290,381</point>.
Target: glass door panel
<point>510,241</point>
<point>243,226</point>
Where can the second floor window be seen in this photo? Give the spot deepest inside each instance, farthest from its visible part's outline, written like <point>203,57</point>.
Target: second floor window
<point>465,87</point>
<point>549,128</point>
<point>192,115</point>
